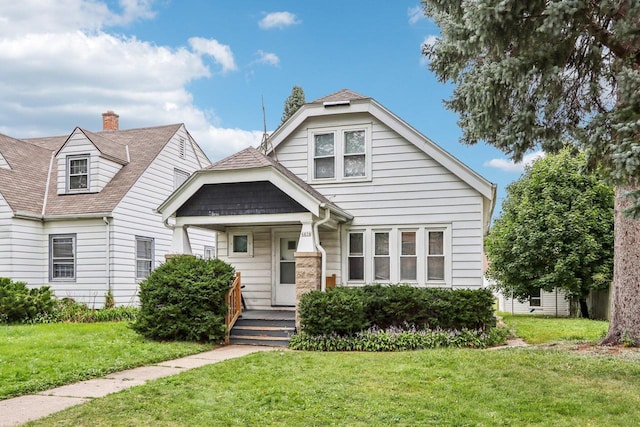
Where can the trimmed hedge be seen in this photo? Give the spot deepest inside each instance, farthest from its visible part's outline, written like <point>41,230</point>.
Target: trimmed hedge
<point>345,311</point>
<point>184,299</point>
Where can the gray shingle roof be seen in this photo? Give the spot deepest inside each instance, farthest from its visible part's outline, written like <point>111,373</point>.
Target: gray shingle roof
<point>23,187</point>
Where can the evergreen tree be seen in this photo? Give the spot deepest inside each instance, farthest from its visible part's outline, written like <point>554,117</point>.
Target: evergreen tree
<point>293,103</point>
<point>538,73</point>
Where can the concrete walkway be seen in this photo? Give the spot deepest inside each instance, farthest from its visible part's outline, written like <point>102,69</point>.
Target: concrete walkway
<point>22,409</point>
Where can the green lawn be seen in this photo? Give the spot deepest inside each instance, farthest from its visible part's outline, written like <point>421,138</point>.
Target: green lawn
<point>433,387</point>
<point>38,357</point>
<point>514,386</point>
<point>543,329</point>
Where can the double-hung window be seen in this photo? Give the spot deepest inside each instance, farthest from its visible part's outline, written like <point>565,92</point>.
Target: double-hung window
<point>356,255</point>
<point>144,256</point>
<point>324,163</point>
<point>408,256</point>
<point>535,298</point>
<point>435,256</point>
<point>381,258</point>
<point>78,173</point>
<point>340,154</point>
<point>62,257</point>
<point>354,153</point>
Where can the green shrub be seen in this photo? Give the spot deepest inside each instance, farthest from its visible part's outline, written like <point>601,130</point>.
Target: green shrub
<point>339,310</point>
<point>21,304</point>
<point>68,310</point>
<point>395,339</point>
<point>184,299</point>
<point>345,311</point>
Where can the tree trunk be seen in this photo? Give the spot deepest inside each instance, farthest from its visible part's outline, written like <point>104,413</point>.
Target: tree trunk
<point>624,323</point>
<point>584,308</point>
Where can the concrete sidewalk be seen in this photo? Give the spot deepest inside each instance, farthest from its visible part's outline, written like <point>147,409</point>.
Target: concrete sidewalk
<point>22,409</point>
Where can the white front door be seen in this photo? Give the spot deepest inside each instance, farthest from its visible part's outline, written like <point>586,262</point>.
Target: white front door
<point>285,281</point>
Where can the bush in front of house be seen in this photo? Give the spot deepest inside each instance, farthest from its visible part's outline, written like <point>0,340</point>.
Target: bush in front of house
<point>339,310</point>
<point>184,299</point>
<point>345,311</point>
<point>18,303</point>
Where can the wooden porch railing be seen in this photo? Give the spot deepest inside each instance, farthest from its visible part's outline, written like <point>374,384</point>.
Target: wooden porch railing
<point>234,302</point>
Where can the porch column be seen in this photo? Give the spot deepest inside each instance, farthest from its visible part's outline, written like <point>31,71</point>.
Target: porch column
<point>308,276</point>
<point>180,243</point>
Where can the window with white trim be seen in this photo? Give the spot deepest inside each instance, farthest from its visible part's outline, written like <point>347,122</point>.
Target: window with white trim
<point>381,258</point>
<point>408,256</point>
<point>354,153</point>
<point>78,173</point>
<point>209,252</point>
<point>144,256</point>
<point>179,177</point>
<point>241,243</point>
<point>324,161</point>
<point>340,154</point>
<point>535,298</point>
<point>62,257</point>
<point>356,256</point>
<point>435,256</point>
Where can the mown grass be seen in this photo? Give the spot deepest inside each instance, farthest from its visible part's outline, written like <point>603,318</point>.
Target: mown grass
<point>41,356</point>
<point>431,387</point>
<point>543,329</point>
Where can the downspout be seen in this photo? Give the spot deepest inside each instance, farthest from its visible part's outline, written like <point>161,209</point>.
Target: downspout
<point>316,238</point>
<point>108,252</point>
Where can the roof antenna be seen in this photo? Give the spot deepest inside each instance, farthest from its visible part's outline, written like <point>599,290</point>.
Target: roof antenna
<point>265,145</point>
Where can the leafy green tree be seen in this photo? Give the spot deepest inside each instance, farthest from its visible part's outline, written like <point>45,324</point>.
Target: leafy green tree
<point>541,72</point>
<point>555,231</point>
<point>293,103</point>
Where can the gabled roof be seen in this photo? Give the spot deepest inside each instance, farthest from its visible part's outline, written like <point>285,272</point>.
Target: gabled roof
<point>248,164</point>
<point>348,102</point>
<point>23,187</point>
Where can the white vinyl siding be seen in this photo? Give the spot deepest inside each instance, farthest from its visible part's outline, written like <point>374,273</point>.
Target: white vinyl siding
<point>551,303</point>
<point>135,216</point>
<point>27,250</point>
<point>407,188</point>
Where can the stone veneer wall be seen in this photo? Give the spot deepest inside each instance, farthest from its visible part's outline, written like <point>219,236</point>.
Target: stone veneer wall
<point>308,276</point>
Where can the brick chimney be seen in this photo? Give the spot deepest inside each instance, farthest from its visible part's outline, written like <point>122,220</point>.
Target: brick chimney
<point>110,120</point>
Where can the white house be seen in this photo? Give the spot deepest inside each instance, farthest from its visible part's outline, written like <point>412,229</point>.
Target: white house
<point>77,212</point>
<point>346,188</point>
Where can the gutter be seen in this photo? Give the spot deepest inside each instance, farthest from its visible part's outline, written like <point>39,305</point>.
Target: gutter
<point>316,238</point>
<point>108,252</point>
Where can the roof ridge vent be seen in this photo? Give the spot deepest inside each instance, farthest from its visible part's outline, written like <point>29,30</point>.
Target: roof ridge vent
<point>329,104</point>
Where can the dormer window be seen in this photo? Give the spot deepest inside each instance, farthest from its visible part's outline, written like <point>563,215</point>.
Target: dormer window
<point>77,174</point>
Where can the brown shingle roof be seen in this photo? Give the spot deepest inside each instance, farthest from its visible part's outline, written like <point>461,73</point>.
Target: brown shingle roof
<point>341,95</point>
<point>24,186</point>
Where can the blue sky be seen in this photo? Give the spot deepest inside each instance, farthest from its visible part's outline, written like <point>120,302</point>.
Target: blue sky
<point>209,64</point>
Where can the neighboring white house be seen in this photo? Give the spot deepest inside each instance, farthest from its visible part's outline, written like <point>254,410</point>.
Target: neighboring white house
<point>347,188</point>
<point>77,212</point>
<point>547,303</point>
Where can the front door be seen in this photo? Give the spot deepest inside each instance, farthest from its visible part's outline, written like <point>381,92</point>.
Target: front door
<point>285,280</point>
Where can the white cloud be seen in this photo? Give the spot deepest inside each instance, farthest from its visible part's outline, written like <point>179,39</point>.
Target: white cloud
<point>267,58</point>
<point>66,69</point>
<point>416,14</point>
<point>278,20</point>
<point>509,166</point>
<point>221,53</point>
